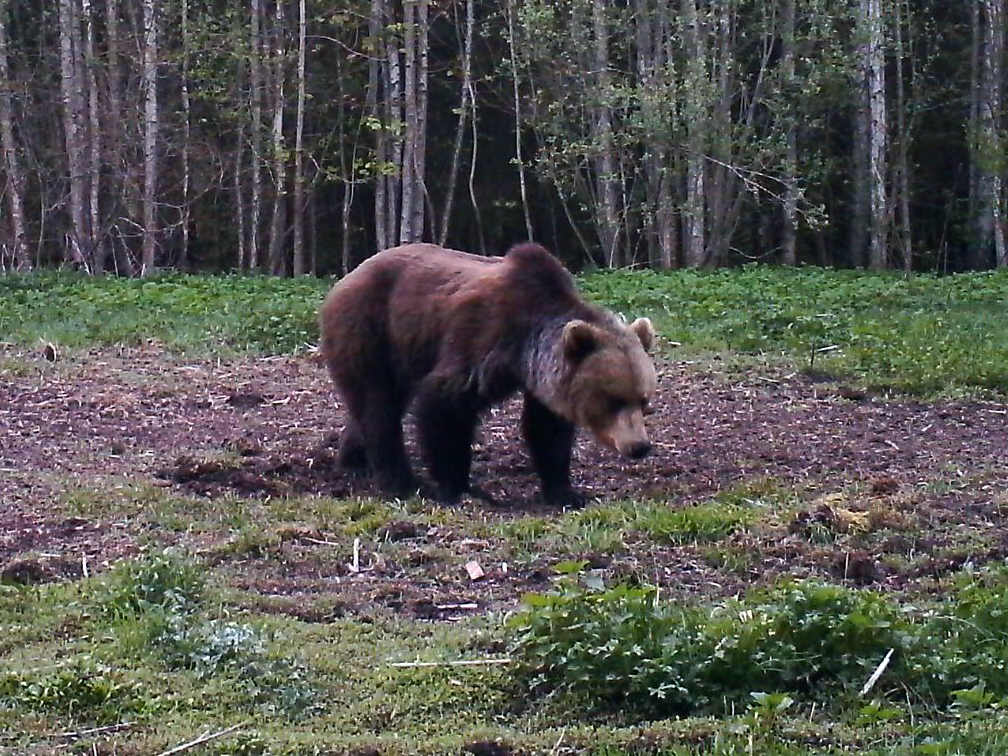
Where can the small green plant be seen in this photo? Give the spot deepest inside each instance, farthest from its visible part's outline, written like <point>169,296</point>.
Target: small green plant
<point>81,690</point>
<point>164,579</point>
<point>216,648</point>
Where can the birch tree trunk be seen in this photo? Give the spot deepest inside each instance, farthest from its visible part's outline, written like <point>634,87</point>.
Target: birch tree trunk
<point>395,121</point>
<point>860,199</point>
<point>420,197</point>
<point>409,188</point>
<point>19,258</point>
<point>988,153</point>
<point>116,147</point>
<point>150,140</point>
<point>463,117</point>
<point>71,88</point>
<point>518,119</point>
<point>877,137</point>
<point>373,108</point>
<point>696,89</point>
<point>277,262</point>
<point>299,267</point>
<point>94,139</point>
<point>183,259</point>
<point>239,197</point>
<point>255,108</point>
<point>902,167</point>
<point>789,236</point>
<point>605,164</point>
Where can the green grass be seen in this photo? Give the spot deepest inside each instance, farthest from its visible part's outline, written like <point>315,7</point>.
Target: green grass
<point>206,314</point>
<point>925,335</point>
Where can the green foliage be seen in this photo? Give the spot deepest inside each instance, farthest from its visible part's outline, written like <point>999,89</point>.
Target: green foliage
<point>624,648</point>
<point>160,580</point>
<point>923,335</point>
<point>210,313</point>
<point>155,604</point>
<point>81,690</point>
<point>215,648</point>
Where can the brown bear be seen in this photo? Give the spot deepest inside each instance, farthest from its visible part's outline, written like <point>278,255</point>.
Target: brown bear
<point>454,333</point>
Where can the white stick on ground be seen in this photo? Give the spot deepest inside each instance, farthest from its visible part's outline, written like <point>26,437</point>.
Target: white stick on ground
<point>204,738</point>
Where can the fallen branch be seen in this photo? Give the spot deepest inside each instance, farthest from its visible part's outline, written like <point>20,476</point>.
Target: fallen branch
<point>877,673</point>
<point>73,734</point>
<point>463,663</point>
<point>204,738</point>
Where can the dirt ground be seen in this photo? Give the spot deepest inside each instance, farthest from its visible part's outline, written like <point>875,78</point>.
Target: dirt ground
<point>262,429</point>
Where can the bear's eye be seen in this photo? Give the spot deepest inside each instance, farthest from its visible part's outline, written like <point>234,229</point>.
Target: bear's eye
<point>646,407</point>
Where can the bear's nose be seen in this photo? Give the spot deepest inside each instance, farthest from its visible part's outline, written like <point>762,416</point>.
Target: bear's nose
<point>639,450</point>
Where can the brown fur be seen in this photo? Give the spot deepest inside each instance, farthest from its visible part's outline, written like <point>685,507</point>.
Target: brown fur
<point>455,333</point>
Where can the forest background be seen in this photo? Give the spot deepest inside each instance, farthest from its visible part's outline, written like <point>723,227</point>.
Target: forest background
<point>299,137</point>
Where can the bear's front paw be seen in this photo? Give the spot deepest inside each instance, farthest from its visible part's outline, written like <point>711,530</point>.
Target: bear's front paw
<point>566,497</point>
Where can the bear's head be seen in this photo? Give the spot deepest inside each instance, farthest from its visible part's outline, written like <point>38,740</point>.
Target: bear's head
<point>610,381</point>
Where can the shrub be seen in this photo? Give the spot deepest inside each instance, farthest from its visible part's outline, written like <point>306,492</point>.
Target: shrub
<point>625,647</point>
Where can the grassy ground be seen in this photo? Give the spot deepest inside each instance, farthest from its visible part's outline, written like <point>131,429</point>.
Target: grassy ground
<point>925,335</point>
<point>185,636</point>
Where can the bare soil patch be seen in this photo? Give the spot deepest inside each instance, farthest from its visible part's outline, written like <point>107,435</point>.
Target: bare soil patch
<point>264,429</point>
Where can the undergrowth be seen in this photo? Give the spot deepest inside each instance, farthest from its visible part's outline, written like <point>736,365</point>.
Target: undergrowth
<point>155,605</point>
<point>623,648</point>
<point>924,335</point>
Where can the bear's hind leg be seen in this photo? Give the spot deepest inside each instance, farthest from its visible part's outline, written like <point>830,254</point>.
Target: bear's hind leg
<point>550,440</point>
<point>446,427</point>
<point>376,420</point>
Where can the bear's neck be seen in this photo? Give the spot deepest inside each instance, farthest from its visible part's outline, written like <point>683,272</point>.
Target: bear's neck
<point>545,367</point>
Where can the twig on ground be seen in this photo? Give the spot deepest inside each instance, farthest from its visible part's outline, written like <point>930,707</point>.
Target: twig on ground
<point>462,663</point>
<point>877,673</point>
<point>73,734</point>
<point>204,738</point>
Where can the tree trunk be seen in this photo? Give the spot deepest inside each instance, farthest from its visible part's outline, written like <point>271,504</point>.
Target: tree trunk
<point>299,194</point>
<point>255,106</point>
<point>877,137</point>
<point>150,62</point>
<point>789,236</point>
<point>277,263</point>
<point>376,80</point>
<point>394,121</point>
<point>94,138</point>
<point>988,153</point>
<point>695,109</point>
<point>461,128</point>
<point>518,118</point>
<point>420,196</point>
<point>239,196</point>
<point>409,187</point>
<point>116,148</point>
<point>19,258</point>
<point>71,88</point>
<point>605,164</point>
<point>902,168</point>
<point>183,258</point>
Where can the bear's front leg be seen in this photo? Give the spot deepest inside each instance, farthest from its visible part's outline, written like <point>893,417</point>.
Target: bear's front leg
<point>352,454</point>
<point>550,440</point>
<point>446,425</point>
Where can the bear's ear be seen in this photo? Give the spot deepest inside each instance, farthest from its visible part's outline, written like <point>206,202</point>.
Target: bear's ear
<point>645,332</point>
<point>579,339</point>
